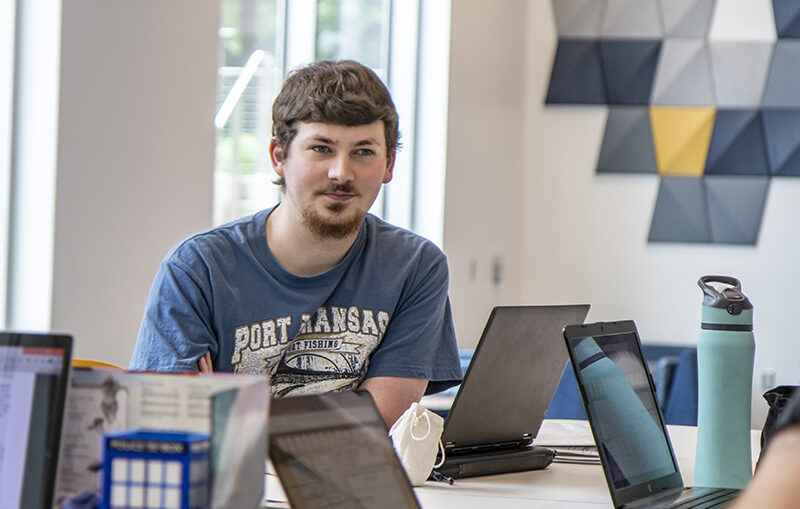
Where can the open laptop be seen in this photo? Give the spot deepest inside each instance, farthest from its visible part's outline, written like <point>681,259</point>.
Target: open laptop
<point>34,374</point>
<point>333,450</point>
<point>506,390</point>
<point>628,427</point>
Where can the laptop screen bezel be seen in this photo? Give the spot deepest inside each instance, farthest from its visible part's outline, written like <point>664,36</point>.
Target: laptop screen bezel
<point>662,486</point>
<point>63,342</point>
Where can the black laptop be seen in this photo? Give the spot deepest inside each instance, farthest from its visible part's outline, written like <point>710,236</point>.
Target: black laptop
<point>506,390</point>
<point>333,450</point>
<point>627,424</point>
<point>34,374</point>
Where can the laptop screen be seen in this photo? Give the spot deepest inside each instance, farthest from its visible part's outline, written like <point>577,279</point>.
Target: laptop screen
<point>621,405</point>
<point>33,384</point>
<point>333,450</point>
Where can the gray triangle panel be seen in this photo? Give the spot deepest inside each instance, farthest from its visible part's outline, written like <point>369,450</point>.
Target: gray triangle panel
<point>740,72</point>
<point>680,213</point>
<point>787,17</point>
<point>735,207</point>
<point>783,80</point>
<point>683,77</point>
<point>579,18</point>
<point>737,144</point>
<point>629,68</point>
<point>627,142</point>
<point>687,18</point>
<point>577,76</point>
<point>782,136</point>
<point>632,19</point>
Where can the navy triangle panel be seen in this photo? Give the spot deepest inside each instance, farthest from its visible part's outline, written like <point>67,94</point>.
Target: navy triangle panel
<point>680,214</point>
<point>735,207</point>
<point>577,76</point>
<point>629,69</point>
<point>791,166</point>
<point>787,17</point>
<point>737,144</point>
<point>782,136</point>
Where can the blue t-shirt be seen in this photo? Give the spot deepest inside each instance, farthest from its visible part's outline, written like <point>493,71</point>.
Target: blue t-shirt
<point>382,311</point>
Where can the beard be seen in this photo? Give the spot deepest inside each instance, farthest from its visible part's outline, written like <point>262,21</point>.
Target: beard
<point>339,227</point>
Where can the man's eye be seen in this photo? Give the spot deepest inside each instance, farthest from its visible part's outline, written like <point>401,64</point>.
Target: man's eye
<point>320,148</point>
<point>365,152</point>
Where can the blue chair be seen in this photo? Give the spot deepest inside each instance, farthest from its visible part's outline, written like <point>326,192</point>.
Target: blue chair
<point>674,371</point>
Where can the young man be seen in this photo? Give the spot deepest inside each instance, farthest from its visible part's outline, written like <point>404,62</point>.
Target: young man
<point>314,292</point>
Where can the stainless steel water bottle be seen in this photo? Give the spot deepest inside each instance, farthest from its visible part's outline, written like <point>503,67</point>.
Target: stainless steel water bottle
<point>725,352</point>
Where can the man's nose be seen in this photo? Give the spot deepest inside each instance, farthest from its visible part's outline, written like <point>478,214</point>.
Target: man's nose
<point>341,169</point>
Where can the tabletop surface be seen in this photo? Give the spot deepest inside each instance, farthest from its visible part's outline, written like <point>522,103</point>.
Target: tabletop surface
<point>561,485</point>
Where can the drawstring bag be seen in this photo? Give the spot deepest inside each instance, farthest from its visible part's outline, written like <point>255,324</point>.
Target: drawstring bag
<point>416,437</point>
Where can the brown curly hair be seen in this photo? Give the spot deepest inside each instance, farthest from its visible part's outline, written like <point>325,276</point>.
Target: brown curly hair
<point>344,92</point>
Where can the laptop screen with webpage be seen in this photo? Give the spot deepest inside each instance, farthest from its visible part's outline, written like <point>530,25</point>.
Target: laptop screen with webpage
<point>34,372</point>
<point>620,403</point>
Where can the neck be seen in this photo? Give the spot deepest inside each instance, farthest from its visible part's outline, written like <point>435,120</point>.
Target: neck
<point>300,251</point>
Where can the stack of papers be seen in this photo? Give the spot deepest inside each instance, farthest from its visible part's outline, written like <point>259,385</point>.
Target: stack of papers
<point>572,440</point>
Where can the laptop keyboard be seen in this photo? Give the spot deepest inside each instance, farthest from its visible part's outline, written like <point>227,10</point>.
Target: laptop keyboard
<point>715,498</point>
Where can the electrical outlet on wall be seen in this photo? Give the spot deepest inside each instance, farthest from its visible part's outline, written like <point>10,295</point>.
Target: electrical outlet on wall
<point>768,377</point>
<point>497,270</point>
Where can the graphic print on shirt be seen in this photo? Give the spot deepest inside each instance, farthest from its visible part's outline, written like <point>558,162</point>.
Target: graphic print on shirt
<point>330,351</point>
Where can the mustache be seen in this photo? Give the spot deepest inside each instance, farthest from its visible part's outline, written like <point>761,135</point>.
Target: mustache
<point>346,187</point>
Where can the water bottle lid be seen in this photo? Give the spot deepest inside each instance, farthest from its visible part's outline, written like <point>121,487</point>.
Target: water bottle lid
<point>730,297</point>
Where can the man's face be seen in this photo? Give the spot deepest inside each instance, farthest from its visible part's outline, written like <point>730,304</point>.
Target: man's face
<point>333,174</point>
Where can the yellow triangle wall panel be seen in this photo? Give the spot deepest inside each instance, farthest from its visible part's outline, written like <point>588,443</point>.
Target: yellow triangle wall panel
<point>681,136</point>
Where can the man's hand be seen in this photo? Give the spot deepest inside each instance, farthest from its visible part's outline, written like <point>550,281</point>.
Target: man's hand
<point>393,395</point>
<point>204,364</point>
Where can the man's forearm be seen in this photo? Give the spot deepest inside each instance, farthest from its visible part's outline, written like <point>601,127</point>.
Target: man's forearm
<point>393,395</point>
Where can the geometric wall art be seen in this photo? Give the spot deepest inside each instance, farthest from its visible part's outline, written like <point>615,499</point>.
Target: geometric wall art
<point>703,93</point>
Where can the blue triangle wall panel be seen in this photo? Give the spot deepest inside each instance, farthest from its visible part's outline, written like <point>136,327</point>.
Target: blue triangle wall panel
<point>735,207</point>
<point>628,142</point>
<point>783,80</point>
<point>577,76</point>
<point>787,17</point>
<point>680,214</point>
<point>737,144</point>
<point>629,69</point>
<point>782,135</point>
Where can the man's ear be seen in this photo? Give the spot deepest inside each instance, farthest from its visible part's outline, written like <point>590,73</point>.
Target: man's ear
<point>387,176</point>
<point>277,156</point>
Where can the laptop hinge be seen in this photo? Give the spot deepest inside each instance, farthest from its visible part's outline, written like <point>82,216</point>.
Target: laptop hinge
<point>452,448</point>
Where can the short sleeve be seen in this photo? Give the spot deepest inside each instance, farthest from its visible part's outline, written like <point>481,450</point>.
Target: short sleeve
<point>176,328</point>
<point>420,339</point>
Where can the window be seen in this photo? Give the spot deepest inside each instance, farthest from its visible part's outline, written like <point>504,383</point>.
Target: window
<point>261,40</point>
<point>7,22</point>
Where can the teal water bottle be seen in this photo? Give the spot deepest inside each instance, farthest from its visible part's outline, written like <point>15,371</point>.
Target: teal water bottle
<point>725,351</point>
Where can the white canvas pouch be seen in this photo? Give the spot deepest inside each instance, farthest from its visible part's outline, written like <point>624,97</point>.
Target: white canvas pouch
<point>416,437</point>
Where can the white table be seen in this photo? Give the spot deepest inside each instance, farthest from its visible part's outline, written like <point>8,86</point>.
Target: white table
<point>560,485</point>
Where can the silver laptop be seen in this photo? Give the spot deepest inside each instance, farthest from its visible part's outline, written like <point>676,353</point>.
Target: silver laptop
<point>34,374</point>
<point>627,424</point>
<point>333,450</point>
<point>506,390</point>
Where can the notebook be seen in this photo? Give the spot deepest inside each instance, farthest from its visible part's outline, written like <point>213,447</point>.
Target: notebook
<point>506,390</point>
<point>333,450</point>
<point>34,374</point>
<point>632,440</point>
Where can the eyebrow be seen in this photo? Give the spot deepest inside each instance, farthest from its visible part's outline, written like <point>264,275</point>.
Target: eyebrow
<point>360,143</point>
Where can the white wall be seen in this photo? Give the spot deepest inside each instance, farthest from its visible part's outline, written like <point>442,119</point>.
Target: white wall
<point>484,207</point>
<point>135,158</point>
<point>575,236</point>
